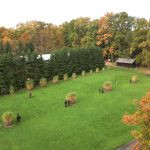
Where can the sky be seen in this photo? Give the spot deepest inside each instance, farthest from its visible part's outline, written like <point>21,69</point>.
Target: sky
<point>13,12</point>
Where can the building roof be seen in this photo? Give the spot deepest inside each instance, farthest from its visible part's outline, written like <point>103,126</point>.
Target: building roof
<point>125,60</point>
<point>45,56</point>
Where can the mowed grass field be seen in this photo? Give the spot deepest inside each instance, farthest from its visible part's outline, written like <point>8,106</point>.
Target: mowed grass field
<point>93,123</point>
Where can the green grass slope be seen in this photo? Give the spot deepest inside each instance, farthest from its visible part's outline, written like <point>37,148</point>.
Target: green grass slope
<point>93,123</point>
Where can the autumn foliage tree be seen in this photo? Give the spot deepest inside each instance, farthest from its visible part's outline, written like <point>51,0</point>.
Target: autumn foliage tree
<point>141,119</point>
<point>119,35</point>
<point>103,35</point>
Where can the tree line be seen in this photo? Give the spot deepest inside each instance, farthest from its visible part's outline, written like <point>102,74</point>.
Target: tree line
<point>45,37</point>
<point>119,35</point>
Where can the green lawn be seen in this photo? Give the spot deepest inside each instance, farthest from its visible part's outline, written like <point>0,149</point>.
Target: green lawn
<point>93,123</point>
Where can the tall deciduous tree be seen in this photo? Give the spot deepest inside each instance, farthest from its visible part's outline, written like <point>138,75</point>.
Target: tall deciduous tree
<point>141,39</point>
<point>103,34</point>
<point>80,32</point>
<point>121,26</point>
<point>90,37</point>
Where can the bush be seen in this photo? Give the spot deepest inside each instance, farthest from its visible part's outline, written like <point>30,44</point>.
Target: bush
<point>12,90</point>
<point>29,84</point>
<point>134,79</point>
<point>140,119</point>
<point>71,97</point>
<point>7,118</point>
<point>97,69</point>
<point>83,73</point>
<point>107,86</point>
<point>43,82</point>
<point>65,76</point>
<point>55,79</point>
<point>74,75</point>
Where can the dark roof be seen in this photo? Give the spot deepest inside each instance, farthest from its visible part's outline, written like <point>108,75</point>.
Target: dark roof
<point>125,60</point>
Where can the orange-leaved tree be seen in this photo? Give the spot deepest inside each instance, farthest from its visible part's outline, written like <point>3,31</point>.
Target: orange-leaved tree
<point>141,119</point>
<point>103,34</point>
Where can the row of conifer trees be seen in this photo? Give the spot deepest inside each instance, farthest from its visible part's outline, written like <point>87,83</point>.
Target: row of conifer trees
<point>15,70</point>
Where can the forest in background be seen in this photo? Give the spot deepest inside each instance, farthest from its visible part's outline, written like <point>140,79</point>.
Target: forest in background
<point>119,35</point>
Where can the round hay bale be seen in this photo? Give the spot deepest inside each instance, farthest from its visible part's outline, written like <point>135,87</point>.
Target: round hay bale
<point>65,76</point>
<point>135,79</point>
<point>55,79</point>
<point>43,82</point>
<point>71,97</point>
<point>74,75</point>
<point>91,71</point>
<point>83,73</point>
<point>8,118</point>
<point>97,70</point>
<point>107,86</point>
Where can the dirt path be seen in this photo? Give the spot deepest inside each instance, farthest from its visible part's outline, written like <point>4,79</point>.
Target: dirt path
<point>144,70</point>
<point>127,146</point>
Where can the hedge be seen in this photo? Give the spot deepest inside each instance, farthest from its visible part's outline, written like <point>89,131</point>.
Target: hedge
<point>15,70</point>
